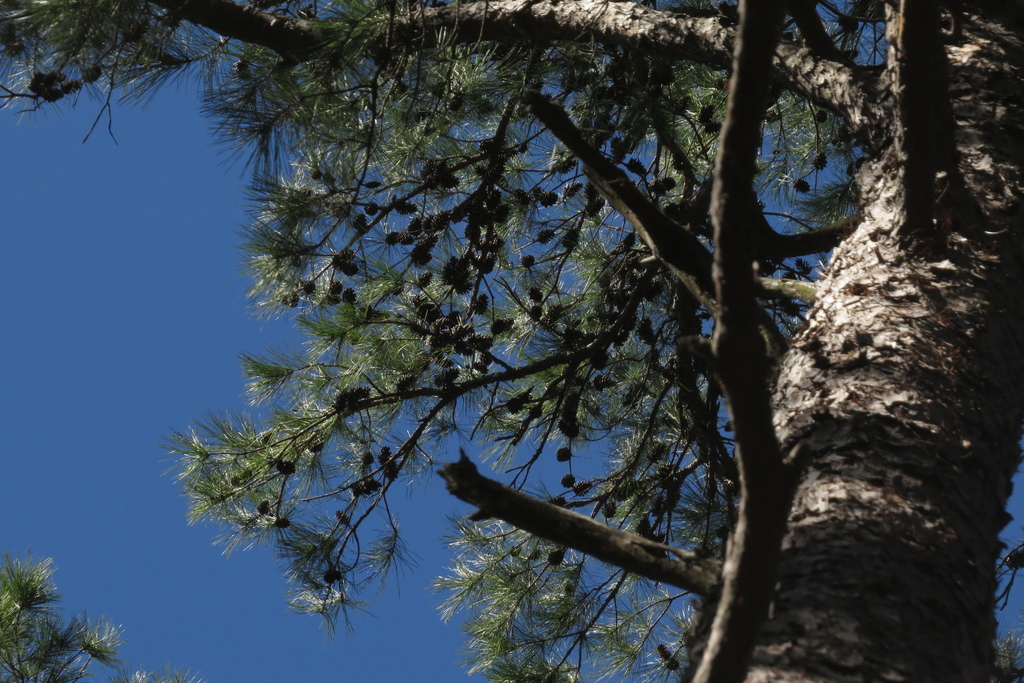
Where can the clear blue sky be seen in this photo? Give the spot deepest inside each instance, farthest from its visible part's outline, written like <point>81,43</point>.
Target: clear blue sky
<point>124,314</point>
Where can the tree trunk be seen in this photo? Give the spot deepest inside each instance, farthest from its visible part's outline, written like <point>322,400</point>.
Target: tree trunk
<point>906,384</point>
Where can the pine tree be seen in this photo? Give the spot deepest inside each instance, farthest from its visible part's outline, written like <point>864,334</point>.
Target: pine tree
<point>726,297</point>
<point>38,645</point>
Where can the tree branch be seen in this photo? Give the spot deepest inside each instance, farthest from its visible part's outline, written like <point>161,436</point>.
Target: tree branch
<point>805,14</point>
<point>659,33</point>
<point>669,241</point>
<point>777,246</point>
<point>295,39</point>
<point>917,61</point>
<point>785,288</point>
<point>742,362</point>
<point>663,34</point>
<point>616,547</point>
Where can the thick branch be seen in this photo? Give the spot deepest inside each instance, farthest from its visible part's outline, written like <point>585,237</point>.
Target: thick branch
<point>616,547</point>
<point>773,245</point>
<point>659,33</point>
<point>296,39</point>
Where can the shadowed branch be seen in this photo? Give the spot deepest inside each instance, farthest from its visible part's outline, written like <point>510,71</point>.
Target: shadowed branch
<point>743,364</point>
<point>622,549</point>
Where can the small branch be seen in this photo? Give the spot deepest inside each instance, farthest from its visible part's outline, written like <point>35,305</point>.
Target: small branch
<point>698,206</point>
<point>673,244</point>
<point>680,159</point>
<point>622,549</point>
<point>669,241</point>
<point>777,246</point>
<point>785,288</point>
<point>805,14</point>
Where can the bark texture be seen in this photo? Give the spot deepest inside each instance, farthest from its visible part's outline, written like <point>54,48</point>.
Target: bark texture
<point>906,383</point>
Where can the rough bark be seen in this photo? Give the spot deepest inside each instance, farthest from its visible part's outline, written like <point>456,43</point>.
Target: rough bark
<point>906,383</point>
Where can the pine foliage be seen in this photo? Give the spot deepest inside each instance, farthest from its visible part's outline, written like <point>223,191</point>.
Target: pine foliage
<point>38,644</point>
